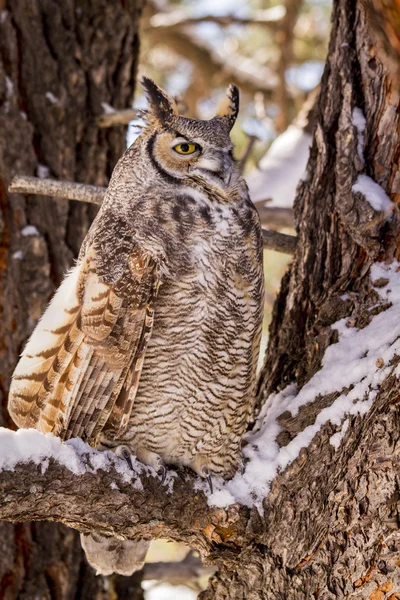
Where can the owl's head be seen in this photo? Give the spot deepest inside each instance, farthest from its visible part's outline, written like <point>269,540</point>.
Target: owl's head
<point>182,148</point>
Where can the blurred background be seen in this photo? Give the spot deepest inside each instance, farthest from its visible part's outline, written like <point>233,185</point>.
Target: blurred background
<point>275,52</point>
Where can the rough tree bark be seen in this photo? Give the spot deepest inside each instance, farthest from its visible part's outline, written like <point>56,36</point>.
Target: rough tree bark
<point>330,527</point>
<point>59,61</point>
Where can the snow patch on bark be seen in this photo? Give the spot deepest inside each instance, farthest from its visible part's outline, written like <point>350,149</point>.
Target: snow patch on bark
<point>361,359</point>
<point>29,230</point>
<point>360,124</point>
<point>52,98</point>
<point>374,194</point>
<point>42,171</point>
<point>108,109</point>
<point>336,439</point>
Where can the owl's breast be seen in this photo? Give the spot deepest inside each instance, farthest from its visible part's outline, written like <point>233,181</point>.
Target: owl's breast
<point>199,370</point>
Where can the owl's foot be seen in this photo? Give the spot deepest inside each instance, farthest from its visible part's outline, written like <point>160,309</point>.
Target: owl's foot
<point>205,473</point>
<point>201,466</point>
<point>148,458</point>
<point>125,453</point>
<point>162,472</point>
<point>153,460</point>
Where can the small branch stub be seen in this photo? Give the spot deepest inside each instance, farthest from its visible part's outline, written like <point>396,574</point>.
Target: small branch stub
<point>118,117</point>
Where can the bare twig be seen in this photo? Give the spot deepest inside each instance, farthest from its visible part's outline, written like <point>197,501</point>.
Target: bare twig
<point>278,217</point>
<point>250,143</point>
<point>268,18</point>
<point>57,189</point>
<point>285,38</point>
<point>217,66</point>
<point>118,117</point>
<point>186,572</point>
<point>280,242</point>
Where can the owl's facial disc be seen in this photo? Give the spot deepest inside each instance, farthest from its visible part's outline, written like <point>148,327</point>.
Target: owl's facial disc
<point>181,157</point>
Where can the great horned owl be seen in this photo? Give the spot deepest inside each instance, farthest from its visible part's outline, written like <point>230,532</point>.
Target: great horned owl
<point>151,342</point>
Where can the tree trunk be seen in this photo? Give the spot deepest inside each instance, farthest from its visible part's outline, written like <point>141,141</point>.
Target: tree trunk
<point>59,61</point>
<point>330,527</point>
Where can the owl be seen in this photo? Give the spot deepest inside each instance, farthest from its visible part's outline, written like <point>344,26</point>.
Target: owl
<point>150,345</point>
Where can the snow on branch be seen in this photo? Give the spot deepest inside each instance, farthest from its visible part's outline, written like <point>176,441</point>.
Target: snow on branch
<point>43,478</point>
<point>95,194</point>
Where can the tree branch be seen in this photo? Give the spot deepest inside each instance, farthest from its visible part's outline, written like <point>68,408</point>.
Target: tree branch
<point>82,192</point>
<point>186,572</point>
<point>275,216</point>
<point>117,117</point>
<point>95,194</point>
<point>96,491</point>
<point>280,242</point>
<point>267,18</point>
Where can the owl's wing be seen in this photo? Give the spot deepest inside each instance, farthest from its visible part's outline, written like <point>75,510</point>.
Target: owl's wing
<point>82,364</point>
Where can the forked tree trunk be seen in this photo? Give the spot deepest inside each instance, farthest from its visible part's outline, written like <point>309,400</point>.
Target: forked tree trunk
<point>331,521</point>
<point>59,61</point>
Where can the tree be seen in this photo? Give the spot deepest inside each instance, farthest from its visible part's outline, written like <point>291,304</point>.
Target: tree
<point>328,392</point>
<point>58,63</point>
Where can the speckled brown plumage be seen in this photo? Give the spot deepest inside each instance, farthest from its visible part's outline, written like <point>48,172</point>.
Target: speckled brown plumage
<point>152,341</point>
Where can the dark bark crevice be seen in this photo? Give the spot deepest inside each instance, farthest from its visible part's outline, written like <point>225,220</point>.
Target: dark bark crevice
<point>45,48</point>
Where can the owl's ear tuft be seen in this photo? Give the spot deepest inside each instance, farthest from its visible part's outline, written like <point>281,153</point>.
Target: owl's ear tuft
<point>161,105</point>
<point>228,108</point>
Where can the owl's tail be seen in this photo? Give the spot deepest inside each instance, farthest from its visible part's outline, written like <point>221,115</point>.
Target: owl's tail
<point>109,555</point>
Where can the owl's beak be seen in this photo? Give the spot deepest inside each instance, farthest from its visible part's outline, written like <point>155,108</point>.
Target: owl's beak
<point>216,166</point>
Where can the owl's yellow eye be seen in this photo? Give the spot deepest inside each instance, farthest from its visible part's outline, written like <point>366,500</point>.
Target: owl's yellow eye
<point>185,148</point>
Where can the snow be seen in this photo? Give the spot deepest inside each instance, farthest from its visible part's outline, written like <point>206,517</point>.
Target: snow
<point>52,98</point>
<point>359,123</point>
<point>166,591</point>
<point>9,87</point>
<point>281,168</point>
<point>108,109</point>
<point>30,445</point>
<point>373,193</point>
<point>18,255</point>
<point>42,171</point>
<point>29,230</point>
<point>336,438</point>
<point>359,361</point>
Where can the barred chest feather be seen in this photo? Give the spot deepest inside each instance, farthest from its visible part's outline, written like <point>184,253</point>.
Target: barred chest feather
<point>196,386</point>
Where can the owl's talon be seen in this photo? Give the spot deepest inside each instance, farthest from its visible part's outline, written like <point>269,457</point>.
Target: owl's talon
<point>162,472</point>
<point>124,453</point>
<point>210,483</point>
